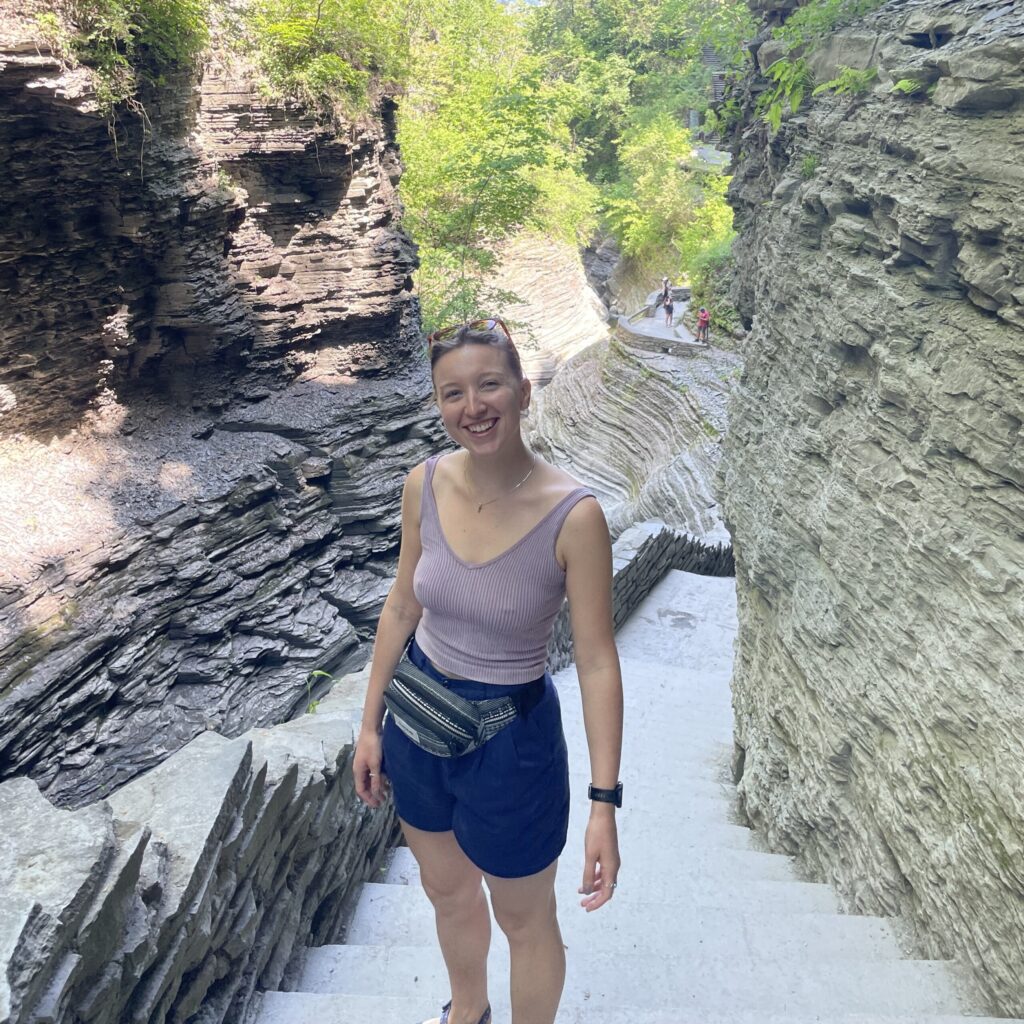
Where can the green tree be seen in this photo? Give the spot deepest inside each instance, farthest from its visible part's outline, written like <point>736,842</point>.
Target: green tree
<point>666,206</point>
<point>487,151</point>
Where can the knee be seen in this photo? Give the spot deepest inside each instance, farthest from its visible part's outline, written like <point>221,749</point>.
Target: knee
<point>523,922</point>
<point>453,897</point>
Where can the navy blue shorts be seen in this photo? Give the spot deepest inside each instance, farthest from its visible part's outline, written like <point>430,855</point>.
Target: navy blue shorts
<point>508,802</point>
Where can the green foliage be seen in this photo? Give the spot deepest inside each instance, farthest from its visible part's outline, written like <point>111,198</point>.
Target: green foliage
<point>723,117</point>
<point>325,53</point>
<point>792,80</point>
<point>312,705</point>
<point>665,209</point>
<point>910,87</point>
<point>487,151</point>
<point>819,18</point>
<point>791,74</point>
<point>123,40</point>
<point>710,279</point>
<point>632,62</point>
<point>849,81</point>
<point>809,165</point>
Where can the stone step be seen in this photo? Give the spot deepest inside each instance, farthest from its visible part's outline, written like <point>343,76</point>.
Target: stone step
<point>401,915</point>
<point>661,726</point>
<point>674,693</point>
<point>677,693</point>
<point>659,863</point>
<point>688,814</point>
<point>309,1008</point>
<point>702,931</point>
<point>649,981</point>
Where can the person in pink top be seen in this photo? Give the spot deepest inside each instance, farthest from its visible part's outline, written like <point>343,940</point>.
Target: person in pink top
<point>703,325</point>
<point>493,539</point>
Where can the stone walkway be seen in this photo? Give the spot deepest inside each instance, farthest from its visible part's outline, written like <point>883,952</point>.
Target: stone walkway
<point>704,928</point>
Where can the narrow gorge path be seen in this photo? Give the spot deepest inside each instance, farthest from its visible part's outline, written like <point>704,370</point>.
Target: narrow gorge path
<point>653,324</point>
<point>704,928</point>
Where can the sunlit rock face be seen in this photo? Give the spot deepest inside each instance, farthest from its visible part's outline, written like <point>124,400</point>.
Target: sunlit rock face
<point>211,386</point>
<point>643,429</point>
<point>874,477</point>
<point>557,313</point>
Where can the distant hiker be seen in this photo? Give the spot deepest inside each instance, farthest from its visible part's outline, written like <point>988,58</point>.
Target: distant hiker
<point>703,324</point>
<point>665,300</point>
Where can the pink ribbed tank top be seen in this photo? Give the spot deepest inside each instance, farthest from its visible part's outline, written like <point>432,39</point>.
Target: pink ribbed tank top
<point>489,621</point>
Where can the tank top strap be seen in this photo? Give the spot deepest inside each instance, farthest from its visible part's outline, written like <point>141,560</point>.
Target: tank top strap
<point>428,506</point>
<point>552,522</point>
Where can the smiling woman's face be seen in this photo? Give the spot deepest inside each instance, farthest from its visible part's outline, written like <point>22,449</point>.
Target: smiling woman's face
<point>480,397</point>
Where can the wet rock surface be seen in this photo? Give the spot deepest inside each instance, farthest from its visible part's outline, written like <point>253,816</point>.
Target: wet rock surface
<point>874,483</point>
<point>211,387</point>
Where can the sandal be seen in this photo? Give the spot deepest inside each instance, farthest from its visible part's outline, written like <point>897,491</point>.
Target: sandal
<point>446,1009</point>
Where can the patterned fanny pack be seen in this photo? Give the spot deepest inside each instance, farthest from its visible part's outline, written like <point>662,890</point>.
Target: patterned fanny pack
<point>441,722</point>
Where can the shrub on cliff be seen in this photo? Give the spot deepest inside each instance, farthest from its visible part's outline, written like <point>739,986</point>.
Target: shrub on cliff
<point>666,207</point>
<point>711,276</point>
<point>325,53</point>
<point>123,40</point>
<point>487,151</point>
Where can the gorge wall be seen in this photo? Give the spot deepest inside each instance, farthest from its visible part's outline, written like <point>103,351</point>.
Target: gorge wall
<point>558,313</point>
<point>874,477</point>
<point>644,430</point>
<point>210,390</point>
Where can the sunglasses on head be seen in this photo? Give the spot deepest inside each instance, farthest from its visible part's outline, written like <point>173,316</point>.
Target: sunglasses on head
<point>488,324</point>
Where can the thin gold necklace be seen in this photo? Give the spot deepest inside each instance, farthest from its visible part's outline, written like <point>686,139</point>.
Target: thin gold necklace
<point>484,504</point>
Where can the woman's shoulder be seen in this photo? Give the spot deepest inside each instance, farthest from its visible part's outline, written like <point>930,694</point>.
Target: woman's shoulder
<point>415,478</point>
<point>557,482</point>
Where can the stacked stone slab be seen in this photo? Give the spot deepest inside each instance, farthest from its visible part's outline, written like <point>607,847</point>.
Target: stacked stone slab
<point>192,886</point>
<point>644,429</point>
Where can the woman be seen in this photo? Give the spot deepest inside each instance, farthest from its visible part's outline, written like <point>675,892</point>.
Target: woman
<point>492,538</point>
<point>665,299</point>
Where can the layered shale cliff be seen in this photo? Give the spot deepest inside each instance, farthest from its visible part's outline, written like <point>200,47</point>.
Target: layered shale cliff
<point>210,390</point>
<point>874,477</point>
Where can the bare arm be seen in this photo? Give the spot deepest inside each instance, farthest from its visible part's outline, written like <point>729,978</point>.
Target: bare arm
<point>586,548</point>
<point>398,620</point>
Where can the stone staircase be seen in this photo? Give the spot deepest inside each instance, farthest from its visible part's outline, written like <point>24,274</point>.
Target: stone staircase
<point>704,928</point>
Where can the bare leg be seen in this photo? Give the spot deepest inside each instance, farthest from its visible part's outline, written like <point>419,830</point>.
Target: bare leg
<point>525,910</point>
<point>452,883</point>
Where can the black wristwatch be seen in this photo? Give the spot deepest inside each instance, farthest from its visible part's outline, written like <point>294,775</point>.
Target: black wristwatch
<point>606,796</point>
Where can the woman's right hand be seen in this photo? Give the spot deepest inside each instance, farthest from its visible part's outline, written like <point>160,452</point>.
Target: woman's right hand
<point>366,769</point>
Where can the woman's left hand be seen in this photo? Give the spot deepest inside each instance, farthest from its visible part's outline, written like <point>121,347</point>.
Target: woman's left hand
<point>601,866</point>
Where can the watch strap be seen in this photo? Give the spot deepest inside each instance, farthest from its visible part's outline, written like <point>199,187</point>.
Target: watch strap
<point>606,796</point>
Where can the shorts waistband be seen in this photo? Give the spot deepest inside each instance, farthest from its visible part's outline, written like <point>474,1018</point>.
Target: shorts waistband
<point>524,694</point>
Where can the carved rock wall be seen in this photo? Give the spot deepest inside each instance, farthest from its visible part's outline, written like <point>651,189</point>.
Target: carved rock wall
<point>211,386</point>
<point>559,313</point>
<point>874,482</point>
<point>643,429</point>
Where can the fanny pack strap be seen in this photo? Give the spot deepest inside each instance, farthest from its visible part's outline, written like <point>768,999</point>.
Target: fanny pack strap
<point>441,721</point>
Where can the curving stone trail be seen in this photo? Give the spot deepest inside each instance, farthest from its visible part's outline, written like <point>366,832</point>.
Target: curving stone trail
<point>705,928</point>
